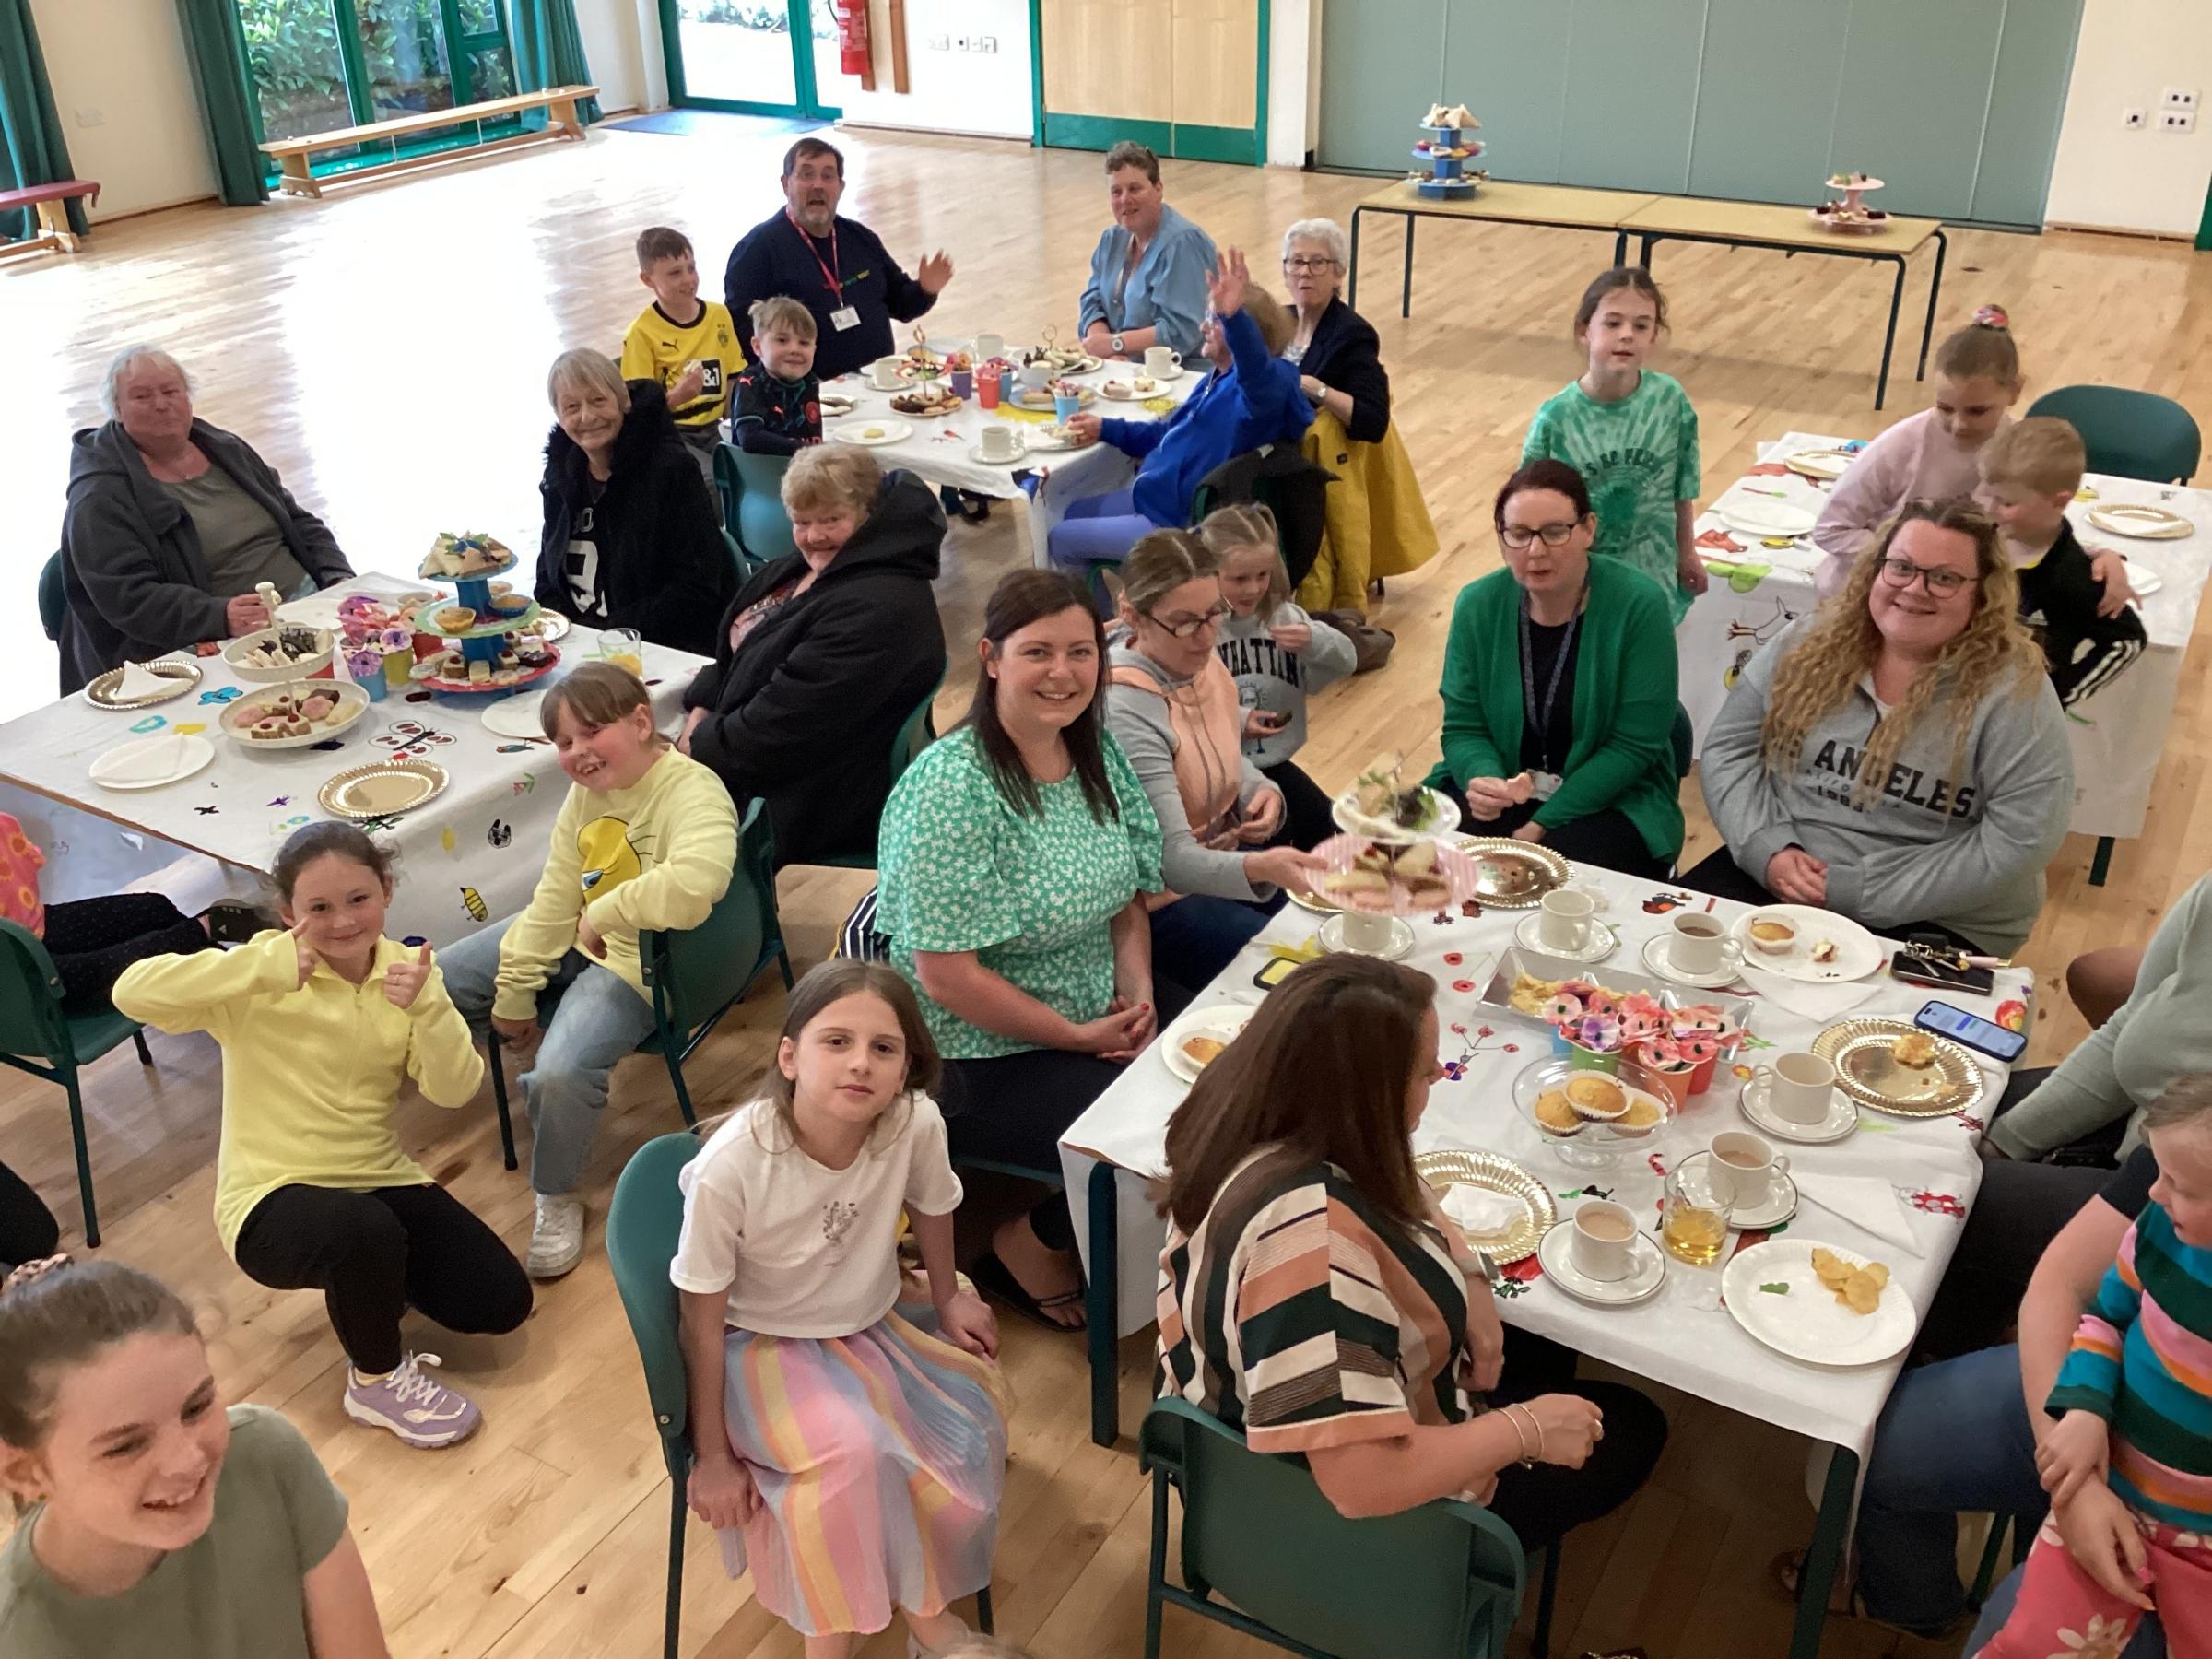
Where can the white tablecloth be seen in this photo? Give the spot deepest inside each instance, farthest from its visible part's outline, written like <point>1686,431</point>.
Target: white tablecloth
<point>1930,1163</point>
<point>471,855</point>
<point>2119,733</point>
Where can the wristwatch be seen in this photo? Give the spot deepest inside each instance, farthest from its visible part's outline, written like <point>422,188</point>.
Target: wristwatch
<point>1117,345</point>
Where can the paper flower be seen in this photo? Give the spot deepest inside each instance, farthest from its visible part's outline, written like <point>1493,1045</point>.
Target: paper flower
<point>1638,1023</point>
<point>1600,1033</point>
<point>355,604</point>
<point>365,664</point>
<point>1602,1002</point>
<point>1563,1009</point>
<point>395,639</point>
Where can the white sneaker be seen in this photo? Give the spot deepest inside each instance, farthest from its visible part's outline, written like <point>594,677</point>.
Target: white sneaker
<point>421,1410</point>
<point>556,1238</point>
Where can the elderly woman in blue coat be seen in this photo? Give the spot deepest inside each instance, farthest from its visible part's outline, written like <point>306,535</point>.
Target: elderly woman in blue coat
<point>1148,276</point>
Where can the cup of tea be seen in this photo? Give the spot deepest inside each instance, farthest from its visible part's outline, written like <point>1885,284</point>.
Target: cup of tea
<point>1744,1167</point>
<point>883,373</point>
<point>998,443</point>
<point>1603,1245</point>
<point>1162,361</point>
<point>989,346</point>
<point>1699,945</point>
<point>1799,1087</point>
<point>1563,922</point>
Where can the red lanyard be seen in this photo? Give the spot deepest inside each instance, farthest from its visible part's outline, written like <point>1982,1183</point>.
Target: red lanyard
<point>830,268</point>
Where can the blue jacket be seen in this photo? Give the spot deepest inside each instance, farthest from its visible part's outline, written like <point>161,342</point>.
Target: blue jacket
<point>1256,401</point>
<point>1166,291</point>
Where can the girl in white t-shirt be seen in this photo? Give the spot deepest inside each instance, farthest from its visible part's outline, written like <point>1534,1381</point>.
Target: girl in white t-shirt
<point>854,1457</point>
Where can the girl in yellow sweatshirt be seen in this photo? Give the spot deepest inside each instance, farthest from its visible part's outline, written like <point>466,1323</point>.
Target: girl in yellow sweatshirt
<point>319,1024</point>
<point>646,840</point>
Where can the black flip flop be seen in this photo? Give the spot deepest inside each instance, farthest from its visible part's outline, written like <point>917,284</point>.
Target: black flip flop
<point>995,1279</point>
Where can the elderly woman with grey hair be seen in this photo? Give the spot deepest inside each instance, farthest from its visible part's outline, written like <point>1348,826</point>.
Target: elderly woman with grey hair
<point>171,524</point>
<point>631,538</point>
<point>1339,360</point>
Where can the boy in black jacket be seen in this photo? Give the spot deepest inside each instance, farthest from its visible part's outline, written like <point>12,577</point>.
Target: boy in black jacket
<point>778,410</point>
<point>2030,473</point>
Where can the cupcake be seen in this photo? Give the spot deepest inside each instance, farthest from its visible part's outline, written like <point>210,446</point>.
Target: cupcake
<point>1772,936</point>
<point>1596,1097</point>
<point>1555,1115</point>
<point>1643,1116</point>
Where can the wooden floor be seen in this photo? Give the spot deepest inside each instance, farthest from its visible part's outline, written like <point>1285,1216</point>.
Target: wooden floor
<point>386,351</point>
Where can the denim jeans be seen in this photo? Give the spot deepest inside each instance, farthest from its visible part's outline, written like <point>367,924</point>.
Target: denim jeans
<point>1097,527</point>
<point>1199,934</point>
<point>592,1015</point>
<point>2147,1642</point>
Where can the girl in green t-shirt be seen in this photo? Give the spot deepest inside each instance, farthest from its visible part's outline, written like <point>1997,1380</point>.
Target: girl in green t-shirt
<point>1632,434</point>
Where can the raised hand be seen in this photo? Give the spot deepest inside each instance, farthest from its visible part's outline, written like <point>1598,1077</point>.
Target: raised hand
<point>404,981</point>
<point>308,955</point>
<point>933,273</point>
<point>1225,283</point>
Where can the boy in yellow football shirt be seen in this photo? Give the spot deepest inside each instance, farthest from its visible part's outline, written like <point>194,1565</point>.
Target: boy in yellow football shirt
<point>695,362</point>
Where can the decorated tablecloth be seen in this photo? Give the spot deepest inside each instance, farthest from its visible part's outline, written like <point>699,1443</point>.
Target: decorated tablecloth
<point>471,855</point>
<point>2119,731</point>
<point>1928,1166</point>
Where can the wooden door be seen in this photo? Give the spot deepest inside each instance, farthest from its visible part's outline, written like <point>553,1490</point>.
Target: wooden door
<point>1186,77</point>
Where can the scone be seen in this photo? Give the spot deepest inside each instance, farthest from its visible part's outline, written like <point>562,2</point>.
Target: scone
<point>1596,1097</point>
<point>1203,1051</point>
<point>1915,1049</point>
<point>1555,1115</point>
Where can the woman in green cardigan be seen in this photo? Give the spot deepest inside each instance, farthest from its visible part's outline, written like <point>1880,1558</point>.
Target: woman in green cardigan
<point>1559,689</point>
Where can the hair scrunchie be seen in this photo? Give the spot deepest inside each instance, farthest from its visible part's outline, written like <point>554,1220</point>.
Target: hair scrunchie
<point>34,1270</point>
<point>1993,316</point>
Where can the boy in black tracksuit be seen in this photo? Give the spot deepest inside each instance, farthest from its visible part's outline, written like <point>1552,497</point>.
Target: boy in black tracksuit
<point>777,409</point>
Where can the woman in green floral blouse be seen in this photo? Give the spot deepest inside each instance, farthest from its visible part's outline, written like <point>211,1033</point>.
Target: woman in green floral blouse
<point>1015,858</point>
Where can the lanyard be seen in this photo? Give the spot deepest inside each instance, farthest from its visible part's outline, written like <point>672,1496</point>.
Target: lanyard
<point>1540,718</point>
<point>831,271</point>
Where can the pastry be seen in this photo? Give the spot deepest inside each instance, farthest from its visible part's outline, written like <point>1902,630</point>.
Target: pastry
<point>469,554</point>
<point>1202,1050</point>
<point>1596,1096</point>
<point>455,619</point>
<point>318,708</point>
<point>479,673</point>
<point>265,729</point>
<point>1772,936</point>
<point>1824,951</point>
<point>1530,994</point>
<point>1643,1116</point>
<point>1555,1115</point>
<point>1915,1049</point>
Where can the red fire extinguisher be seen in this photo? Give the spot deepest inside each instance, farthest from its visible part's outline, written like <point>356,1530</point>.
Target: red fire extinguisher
<point>852,36</point>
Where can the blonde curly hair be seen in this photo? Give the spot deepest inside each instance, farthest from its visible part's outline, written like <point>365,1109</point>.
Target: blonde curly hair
<point>1994,656</point>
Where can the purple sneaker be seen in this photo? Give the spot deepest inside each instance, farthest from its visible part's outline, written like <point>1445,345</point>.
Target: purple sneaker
<point>421,1410</point>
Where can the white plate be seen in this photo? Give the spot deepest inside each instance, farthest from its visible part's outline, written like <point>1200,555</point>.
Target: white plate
<point>975,453</point>
<point>1046,438</point>
<point>1601,942</point>
<point>1781,1205</point>
<point>1808,1322</point>
<point>516,716</point>
<point>150,762</point>
<point>1127,391</point>
<point>352,704</point>
<point>1223,1020</point>
<point>1657,958</point>
<point>1858,952</point>
<point>1763,515</point>
<point>835,406</point>
<point>1841,1123</point>
<point>2145,581</point>
<point>1401,937</point>
<point>1556,1253</point>
<point>875,433</point>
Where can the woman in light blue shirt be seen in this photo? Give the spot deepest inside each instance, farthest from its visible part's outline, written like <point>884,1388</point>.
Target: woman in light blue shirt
<point>1148,276</point>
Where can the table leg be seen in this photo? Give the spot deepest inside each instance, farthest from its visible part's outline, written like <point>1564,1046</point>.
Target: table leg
<point>1352,271</point>
<point>1928,329</point>
<point>1620,247</point>
<point>2102,865</point>
<point>1643,254</point>
<point>1897,298</point>
<point>1825,1552</point>
<point>1101,1301</point>
<point>53,221</point>
<point>1406,291</point>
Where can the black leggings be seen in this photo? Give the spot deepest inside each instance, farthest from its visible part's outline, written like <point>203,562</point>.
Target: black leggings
<point>1012,1109</point>
<point>1308,813</point>
<point>1604,839</point>
<point>93,940</point>
<point>27,1230</point>
<point>1721,874</point>
<point>1544,1504</point>
<point>374,1255</point>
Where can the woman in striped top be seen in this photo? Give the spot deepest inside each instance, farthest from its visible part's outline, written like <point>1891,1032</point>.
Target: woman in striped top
<point>1312,1296</point>
<point>2129,1465</point>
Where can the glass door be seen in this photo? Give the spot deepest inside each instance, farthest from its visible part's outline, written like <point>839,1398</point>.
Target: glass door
<point>762,57</point>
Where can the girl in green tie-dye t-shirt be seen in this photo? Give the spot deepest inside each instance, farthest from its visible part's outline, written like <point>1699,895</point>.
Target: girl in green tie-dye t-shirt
<point>1633,435</point>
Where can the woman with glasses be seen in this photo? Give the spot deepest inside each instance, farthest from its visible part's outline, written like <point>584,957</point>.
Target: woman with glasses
<point>1176,715</point>
<point>1148,276</point>
<point>1378,524</point>
<point>1900,756</point>
<point>1559,689</point>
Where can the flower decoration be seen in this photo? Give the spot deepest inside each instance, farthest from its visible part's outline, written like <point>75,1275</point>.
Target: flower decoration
<point>1602,1002</point>
<point>362,664</point>
<point>395,639</point>
<point>1600,1033</point>
<point>1563,1009</point>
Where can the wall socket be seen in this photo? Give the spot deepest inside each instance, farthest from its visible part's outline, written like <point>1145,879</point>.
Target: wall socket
<point>2178,98</point>
<point>2177,121</point>
<point>2134,119</point>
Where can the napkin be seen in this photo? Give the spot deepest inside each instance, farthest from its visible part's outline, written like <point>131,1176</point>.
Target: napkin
<point>1864,1201</point>
<point>1480,1212</point>
<point>1821,1002</point>
<point>138,681</point>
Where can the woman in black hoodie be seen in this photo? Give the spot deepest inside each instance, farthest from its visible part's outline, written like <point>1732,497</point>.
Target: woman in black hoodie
<point>631,536</point>
<point>824,655</point>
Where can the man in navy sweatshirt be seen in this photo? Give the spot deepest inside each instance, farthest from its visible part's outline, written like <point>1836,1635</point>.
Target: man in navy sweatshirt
<point>837,267</point>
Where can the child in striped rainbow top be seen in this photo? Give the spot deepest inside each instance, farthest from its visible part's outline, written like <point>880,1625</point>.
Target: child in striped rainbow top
<point>2129,1463</point>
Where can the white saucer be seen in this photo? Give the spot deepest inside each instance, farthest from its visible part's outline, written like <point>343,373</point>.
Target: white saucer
<point>1401,938</point>
<point>1781,1205</point>
<point>1601,943</point>
<point>1555,1253</point>
<point>975,453</point>
<point>1842,1118</point>
<point>1656,957</point>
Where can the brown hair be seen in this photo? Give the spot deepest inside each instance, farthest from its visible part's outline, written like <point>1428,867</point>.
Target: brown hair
<point>61,1312</point>
<point>831,981</point>
<point>1984,349</point>
<point>1129,153</point>
<point>812,146</point>
<point>302,847</point>
<point>1557,477</point>
<point>1321,1075</point>
<point>2184,1101</point>
<point>1248,525</point>
<point>657,242</point>
<point>832,477</point>
<point>598,694</point>
<point>1276,323</point>
<point>2041,452</point>
<point>1620,276</point>
<point>1023,597</point>
<point>1162,561</point>
<point>781,311</point>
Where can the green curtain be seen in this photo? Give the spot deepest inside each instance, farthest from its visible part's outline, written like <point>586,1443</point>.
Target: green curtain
<point>217,46</point>
<point>31,148</point>
<point>548,52</point>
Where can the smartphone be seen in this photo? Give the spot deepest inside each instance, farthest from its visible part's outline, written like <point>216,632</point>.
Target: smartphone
<point>1941,976</point>
<point>1983,1036</point>
<point>1274,972</point>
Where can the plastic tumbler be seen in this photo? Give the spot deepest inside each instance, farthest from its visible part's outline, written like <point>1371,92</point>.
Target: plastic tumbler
<point>1066,408</point>
<point>986,386</point>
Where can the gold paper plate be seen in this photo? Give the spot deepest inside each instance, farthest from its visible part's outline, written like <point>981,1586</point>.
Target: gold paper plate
<point>383,787</point>
<point>1494,1173</point>
<point>1515,873</point>
<point>183,676</point>
<point>2144,523</point>
<point>1859,1050</point>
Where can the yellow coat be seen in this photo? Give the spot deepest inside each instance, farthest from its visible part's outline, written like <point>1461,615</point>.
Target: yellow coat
<point>1378,524</point>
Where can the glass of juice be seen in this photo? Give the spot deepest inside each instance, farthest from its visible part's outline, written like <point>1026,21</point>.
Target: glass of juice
<point>1693,1229</point>
<point>624,649</point>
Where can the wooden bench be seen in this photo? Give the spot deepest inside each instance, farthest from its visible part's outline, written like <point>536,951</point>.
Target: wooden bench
<point>558,102</point>
<point>50,201</point>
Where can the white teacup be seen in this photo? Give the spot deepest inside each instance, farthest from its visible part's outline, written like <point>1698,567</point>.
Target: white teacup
<point>998,442</point>
<point>1563,922</point>
<point>1603,1245</point>
<point>1799,1087</point>
<point>883,373</point>
<point>1744,1167</point>
<point>1365,932</point>
<point>1699,945</point>
<point>1036,376</point>
<point>989,346</point>
<point>1160,361</point>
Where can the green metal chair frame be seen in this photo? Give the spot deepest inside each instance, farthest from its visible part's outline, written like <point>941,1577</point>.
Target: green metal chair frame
<point>32,1024</point>
<point>752,503</point>
<point>915,733</point>
<point>642,1225</point>
<point>1441,1582</point>
<point>699,974</point>
<point>2129,433</point>
<point>53,597</point>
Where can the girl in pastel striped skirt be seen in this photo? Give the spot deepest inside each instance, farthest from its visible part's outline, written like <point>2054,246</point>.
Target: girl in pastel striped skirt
<point>851,1451</point>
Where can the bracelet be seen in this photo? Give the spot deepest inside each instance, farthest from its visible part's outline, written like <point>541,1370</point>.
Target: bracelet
<point>1526,1461</point>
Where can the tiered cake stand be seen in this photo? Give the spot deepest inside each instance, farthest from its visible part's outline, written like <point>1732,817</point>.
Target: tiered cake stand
<point>1448,179</point>
<point>485,640</point>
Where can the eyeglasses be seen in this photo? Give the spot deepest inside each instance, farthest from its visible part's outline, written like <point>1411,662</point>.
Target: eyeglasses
<point>1309,262</point>
<point>1517,537</point>
<point>1182,627</point>
<point>1942,584</point>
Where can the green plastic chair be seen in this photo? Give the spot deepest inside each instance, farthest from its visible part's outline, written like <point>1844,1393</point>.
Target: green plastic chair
<point>2131,434</point>
<point>1441,1582</point>
<point>34,1028</point>
<point>751,487</point>
<point>699,974</point>
<point>1685,741</point>
<point>53,597</point>
<point>746,570</point>
<point>915,733</point>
